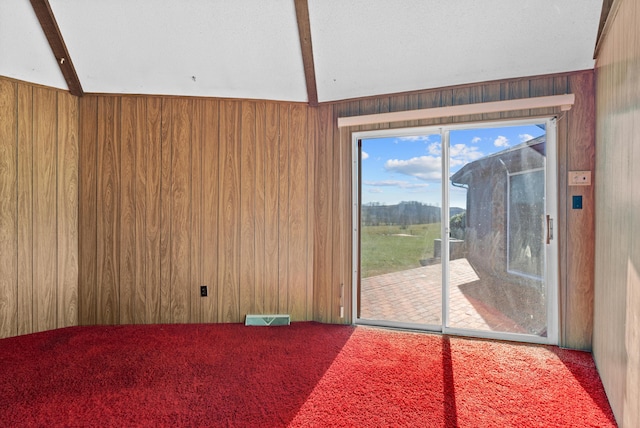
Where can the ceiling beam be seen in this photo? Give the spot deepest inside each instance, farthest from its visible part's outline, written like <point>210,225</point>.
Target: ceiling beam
<point>43,11</point>
<point>304,30</point>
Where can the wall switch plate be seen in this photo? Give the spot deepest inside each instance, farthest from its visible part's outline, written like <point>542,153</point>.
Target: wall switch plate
<point>579,178</point>
<point>577,202</point>
<point>203,291</point>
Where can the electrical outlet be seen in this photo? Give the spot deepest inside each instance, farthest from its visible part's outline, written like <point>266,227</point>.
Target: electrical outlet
<point>579,178</point>
<point>203,291</point>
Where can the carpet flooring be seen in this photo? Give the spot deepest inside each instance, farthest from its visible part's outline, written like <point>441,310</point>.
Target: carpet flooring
<point>303,375</point>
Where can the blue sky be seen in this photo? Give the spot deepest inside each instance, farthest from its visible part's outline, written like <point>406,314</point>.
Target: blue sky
<point>399,169</point>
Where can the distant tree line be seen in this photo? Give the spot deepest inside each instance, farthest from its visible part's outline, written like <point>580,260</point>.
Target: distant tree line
<point>403,214</point>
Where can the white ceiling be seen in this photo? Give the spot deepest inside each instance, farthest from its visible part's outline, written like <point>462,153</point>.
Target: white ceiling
<point>251,48</point>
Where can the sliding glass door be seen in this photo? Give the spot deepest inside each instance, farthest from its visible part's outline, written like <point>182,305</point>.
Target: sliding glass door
<point>400,219</point>
<point>472,254</point>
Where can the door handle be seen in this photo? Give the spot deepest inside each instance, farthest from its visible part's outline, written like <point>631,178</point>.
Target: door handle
<point>549,229</point>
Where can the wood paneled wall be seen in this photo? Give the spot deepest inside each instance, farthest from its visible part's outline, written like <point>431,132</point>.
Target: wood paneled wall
<point>182,192</point>
<point>251,198</point>
<point>38,208</point>
<point>575,228</point>
<point>617,265</point>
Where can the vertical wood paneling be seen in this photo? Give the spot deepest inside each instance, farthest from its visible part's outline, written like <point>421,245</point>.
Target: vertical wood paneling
<point>152,142</point>
<point>127,245</point>
<point>323,226</point>
<point>39,256</point>
<point>413,103</point>
<point>260,211</point>
<point>165,209</point>
<point>209,192</point>
<point>108,208</point>
<point>514,90</point>
<point>467,95</point>
<point>370,106</point>
<point>211,212</point>
<point>560,85</point>
<point>430,99</point>
<point>87,224</point>
<point>25,208</point>
<point>446,99</point>
<point>249,198</point>
<point>631,415</point>
<point>195,234</point>
<point>140,217</point>
<point>180,211</point>
<point>580,231</point>
<point>396,103</point>
<point>383,107</point>
<point>542,87</point>
<point>346,218</point>
<point>229,221</point>
<point>631,410</point>
<point>616,336</point>
<point>45,212</point>
<point>283,210</point>
<point>8,210</point>
<point>67,210</point>
<point>247,283</point>
<point>491,92</point>
<point>272,233</point>
<point>297,222</point>
<point>310,142</point>
<point>337,281</point>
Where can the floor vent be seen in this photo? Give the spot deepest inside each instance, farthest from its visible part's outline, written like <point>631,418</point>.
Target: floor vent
<point>278,319</point>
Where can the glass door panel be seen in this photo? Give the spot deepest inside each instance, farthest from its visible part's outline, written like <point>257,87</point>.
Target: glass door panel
<point>400,281</point>
<point>497,250</point>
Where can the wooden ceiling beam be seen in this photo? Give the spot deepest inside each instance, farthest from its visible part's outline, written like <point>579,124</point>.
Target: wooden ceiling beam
<point>304,31</point>
<point>43,11</point>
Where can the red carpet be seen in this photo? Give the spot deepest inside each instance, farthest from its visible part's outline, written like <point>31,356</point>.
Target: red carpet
<point>306,374</point>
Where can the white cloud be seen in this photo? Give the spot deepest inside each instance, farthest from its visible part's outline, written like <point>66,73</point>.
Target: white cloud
<point>476,140</point>
<point>429,167</point>
<point>435,149</point>
<point>460,154</point>
<point>459,151</point>
<point>375,190</point>
<point>501,141</point>
<point>396,183</point>
<point>365,155</point>
<point>525,137</point>
<point>464,153</point>
<point>424,138</point>
<point>423,167</point>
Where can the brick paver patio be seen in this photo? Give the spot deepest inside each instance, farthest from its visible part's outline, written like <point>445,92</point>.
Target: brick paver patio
<point>413,296</point>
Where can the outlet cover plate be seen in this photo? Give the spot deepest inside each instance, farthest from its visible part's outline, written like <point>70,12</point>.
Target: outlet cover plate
<point>577,202</point>
<point>579,178</point>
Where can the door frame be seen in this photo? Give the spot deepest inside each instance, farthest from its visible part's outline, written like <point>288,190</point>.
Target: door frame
<point>551,277</point>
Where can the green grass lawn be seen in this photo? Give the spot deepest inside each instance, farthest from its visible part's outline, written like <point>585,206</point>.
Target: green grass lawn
<point>385,250</point>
